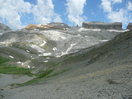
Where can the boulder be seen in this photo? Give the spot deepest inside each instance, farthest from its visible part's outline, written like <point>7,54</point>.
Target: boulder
<point>129,27</point>
<point>102,25</point>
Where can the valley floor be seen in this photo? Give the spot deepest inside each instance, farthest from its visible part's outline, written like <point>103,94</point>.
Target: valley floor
<point>108,83</point>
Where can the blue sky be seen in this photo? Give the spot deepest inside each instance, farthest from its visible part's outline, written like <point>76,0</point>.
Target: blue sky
<point>19,13</point>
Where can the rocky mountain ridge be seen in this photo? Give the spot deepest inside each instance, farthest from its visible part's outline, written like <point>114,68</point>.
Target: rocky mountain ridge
<point>46,26</point>
<point>102,25</point>
<point>69,63</point>
<point>56,42</point>
<point>4,28</point>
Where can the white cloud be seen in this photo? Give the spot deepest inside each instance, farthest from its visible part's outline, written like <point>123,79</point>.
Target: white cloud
<point>12,11</point>
<point>119,16</point>
<point>116,1</point>
<point>130,6</point>
<point>75,11</point>
<point>122,15</point>
<point>106,4</point>
<point>44,12</point>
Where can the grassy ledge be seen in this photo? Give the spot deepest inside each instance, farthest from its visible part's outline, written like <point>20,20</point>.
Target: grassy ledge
<point>39,77</point>
<point>4,69</point>
<point>9,69</point>
<point>3,60</point>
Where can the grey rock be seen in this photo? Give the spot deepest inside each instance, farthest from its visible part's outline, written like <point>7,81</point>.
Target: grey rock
<point>57,42</point>
<point>129,26</point>
<point>57,25</point>
<point>4,28</point>
<point>102,25</point>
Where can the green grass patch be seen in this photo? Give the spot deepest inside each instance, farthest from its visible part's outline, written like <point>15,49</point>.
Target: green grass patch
<point>44,73</point>
<point>3,60</point>
<point>5,69</point>
<point>39,77</point>
<point>57,73</point>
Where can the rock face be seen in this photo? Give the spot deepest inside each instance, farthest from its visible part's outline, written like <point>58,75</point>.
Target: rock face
<point>129,26</point>
<point>54,42</point>
<point>57,25</point>
<point>37,26</point>
<point>54,39</point>
<point>47,26</point>
<point>101,25</point>
<point>4,28</point>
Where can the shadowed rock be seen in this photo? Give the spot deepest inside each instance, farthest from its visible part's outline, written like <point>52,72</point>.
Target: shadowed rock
<point>129,26</point>
<point>102,25</point>
<point>57,25</point>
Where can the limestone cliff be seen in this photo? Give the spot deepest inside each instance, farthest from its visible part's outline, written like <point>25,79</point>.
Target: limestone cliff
<point>102,25</point>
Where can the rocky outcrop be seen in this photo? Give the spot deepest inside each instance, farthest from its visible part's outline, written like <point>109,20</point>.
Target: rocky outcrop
<point>129,27</point>
<point>57,25</point>
<point>102,25</point>
<point>37,26</point>
<point>4,28</point>
<point>47,26</point>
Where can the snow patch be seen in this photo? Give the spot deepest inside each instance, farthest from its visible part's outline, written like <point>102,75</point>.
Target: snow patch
<point>29,66</point>
<point>11,57</point>
<point>46,61</point>
<point>44,42</point>
<point>20,63</point>
<point>45,54</point>
<point>27,51</point>
<point>112,30</point>
<point>39,49</point>
<point>24,64</point>
<point>62,37</point>
<point>104,40</point>
<point>84,29</point>
<point>54,49</point>
<point>71,46</point>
